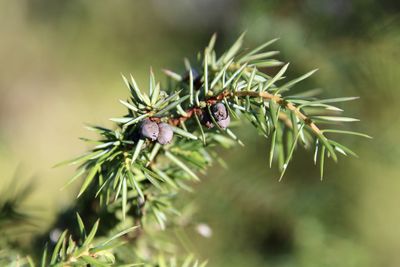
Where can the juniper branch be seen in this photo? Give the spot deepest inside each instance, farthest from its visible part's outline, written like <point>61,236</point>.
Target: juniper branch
<point>132,172</point>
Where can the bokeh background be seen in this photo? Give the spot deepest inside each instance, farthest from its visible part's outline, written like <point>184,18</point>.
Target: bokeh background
<point>60,68</point>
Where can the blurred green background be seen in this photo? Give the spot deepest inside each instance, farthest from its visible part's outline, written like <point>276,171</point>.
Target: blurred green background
<point>60,67</point>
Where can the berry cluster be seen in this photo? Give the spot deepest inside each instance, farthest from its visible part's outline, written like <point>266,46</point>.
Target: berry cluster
<point>162,132</point>
<point>220,115</point>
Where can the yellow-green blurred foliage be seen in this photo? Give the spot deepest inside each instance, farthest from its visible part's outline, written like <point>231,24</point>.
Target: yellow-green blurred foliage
<point>60,68</point>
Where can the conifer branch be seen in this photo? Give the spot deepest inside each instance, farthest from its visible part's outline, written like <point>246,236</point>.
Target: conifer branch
<point>167,137</point>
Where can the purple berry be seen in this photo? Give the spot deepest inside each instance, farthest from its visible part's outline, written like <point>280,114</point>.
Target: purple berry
<point>149,129</point>
<point>165,133</point>
<point>219,111</point>
<point>225,122</point>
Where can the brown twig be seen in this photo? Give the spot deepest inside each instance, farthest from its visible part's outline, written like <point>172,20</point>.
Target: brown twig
<point>265,95</point>
<point>189,114</point>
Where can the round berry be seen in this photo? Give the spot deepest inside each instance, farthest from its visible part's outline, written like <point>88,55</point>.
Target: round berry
<point>165,133</point>
<point>219,111</point>
<point>149,129</point>
<point>220,115</point>
<point>225,122</point>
